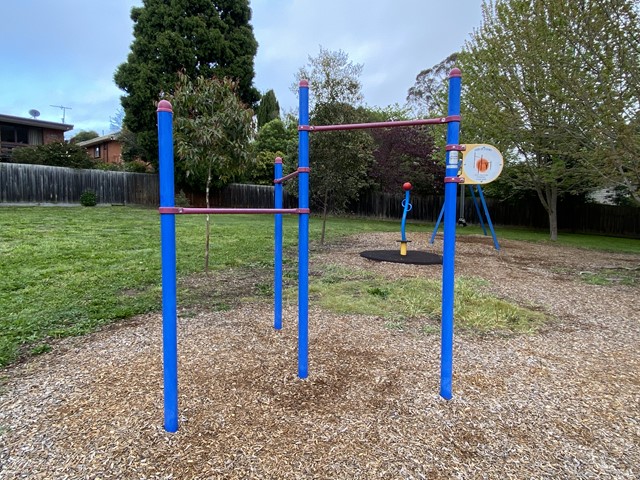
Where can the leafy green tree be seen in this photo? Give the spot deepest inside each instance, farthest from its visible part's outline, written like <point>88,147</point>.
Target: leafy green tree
<point>197,37</point>
<point>268,109</point>
<point>428,95</point>
<point>131,151</point>
<point>606,39</point>
<point>339,160</point>
<point>212,132</point>
<point>521,72</point>
<point>332,77</point>
<point>83,136</point>
<point>274,139</point>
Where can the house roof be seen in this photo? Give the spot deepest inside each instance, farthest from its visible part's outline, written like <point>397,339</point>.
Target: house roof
<point>112,137</point>
<point>32,122</point>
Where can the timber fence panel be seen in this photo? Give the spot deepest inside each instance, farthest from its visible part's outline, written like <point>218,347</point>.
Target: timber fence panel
<point>35,184</point>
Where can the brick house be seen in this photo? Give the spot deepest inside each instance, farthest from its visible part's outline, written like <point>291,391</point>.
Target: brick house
<point>18,132</point>
<point>106,148</point>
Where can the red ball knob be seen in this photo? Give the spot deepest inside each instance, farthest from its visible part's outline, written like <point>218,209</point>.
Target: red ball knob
<point>406,186</point>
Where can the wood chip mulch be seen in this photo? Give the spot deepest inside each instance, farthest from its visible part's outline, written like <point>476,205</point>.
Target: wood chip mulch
<point>560,404</point>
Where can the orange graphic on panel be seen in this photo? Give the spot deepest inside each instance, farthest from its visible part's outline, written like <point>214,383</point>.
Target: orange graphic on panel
<point>482,165</point>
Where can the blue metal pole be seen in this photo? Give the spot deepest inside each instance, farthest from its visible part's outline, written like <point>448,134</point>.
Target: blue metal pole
<point>277,274</point>
<point>449,251</point>
<point>435,230</point>
<point>488,217</point>
<point>475,204</point>
<point>303,233</point>
<point>168,256</point>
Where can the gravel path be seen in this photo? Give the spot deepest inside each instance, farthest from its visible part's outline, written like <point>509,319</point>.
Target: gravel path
<point>564,403</point>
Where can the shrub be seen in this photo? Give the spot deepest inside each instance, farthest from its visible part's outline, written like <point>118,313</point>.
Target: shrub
<point>53,154</point>
<point>88,198</point>
<point>108,167</point>
<point>136,166</point>
<point>181,199</point>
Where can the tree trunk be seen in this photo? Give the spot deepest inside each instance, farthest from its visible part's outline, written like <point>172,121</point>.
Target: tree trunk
<point>549,200</point>
<point>324,217</point>
<point>208,225</point>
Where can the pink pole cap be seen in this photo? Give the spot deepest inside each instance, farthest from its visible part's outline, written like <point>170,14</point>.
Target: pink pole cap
<point>164,106</point>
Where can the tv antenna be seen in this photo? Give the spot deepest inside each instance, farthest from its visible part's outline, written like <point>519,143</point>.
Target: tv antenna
<point>64,110</point>
<point>34,113</point>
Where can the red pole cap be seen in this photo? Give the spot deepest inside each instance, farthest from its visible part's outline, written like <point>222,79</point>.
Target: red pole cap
<point>164,106</point>
<point>278,160</point>
<point>407,186</point>
<point>455,72</point>
<point>304,83</point>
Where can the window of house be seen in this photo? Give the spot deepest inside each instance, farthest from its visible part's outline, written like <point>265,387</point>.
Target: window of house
<point>7,133</point>
<point>96,152</point>
<point>22,134</point>
<point>14,134</point>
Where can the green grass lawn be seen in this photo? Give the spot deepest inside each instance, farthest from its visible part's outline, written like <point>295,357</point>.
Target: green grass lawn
<point>66,271</point>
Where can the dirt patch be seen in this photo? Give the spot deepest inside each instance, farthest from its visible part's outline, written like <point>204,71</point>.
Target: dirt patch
<point>559,404</point>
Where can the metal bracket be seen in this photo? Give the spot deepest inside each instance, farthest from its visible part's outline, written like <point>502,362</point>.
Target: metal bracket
<point>453,179</point>
<point>457,148</point>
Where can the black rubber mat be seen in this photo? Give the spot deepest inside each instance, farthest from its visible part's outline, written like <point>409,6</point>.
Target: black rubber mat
<point>412,257</point>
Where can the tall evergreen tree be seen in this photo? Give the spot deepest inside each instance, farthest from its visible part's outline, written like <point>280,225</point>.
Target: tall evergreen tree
<point>198,37</point>
<point>268,109</point>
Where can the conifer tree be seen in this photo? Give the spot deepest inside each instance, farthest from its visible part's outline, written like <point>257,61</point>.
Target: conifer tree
<point>197,37</point>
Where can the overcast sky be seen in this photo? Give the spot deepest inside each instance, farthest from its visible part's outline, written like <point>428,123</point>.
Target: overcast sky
<point>65,52</point>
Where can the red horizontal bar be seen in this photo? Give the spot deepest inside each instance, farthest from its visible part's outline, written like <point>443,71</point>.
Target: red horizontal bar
<point>355,126</point>
<point>230,211</point>
<point>286,177</point>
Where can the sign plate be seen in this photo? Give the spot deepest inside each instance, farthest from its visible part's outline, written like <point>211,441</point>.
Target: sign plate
<point>481,163</point>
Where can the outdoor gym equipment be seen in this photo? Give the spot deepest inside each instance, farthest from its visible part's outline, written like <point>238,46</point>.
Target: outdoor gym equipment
<point>168,211</point>
<point>406,209</point>
<point>480,164</point>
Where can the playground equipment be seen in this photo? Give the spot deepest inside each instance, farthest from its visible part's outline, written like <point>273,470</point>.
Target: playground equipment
<point>480,164</point>
<point>413,257</point>
<point>407,208</point>
<point>168,211</point>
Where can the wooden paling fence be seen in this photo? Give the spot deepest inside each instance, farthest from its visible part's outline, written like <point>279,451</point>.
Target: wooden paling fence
<point>38,184</point>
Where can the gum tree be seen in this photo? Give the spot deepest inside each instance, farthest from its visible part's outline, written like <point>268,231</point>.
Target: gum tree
<point>212,133</point>
<point>532,73</point>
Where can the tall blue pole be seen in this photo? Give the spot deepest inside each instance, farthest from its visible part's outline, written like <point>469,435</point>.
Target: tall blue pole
<point>449,251</point>
<point>277,274</point>
<point>303,232</point>
<point>168,258</point>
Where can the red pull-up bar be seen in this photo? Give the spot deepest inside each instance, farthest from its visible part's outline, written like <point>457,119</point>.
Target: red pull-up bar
<point>400,123</point>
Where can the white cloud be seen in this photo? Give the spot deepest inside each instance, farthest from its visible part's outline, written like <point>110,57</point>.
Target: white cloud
<point>65,52</point>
